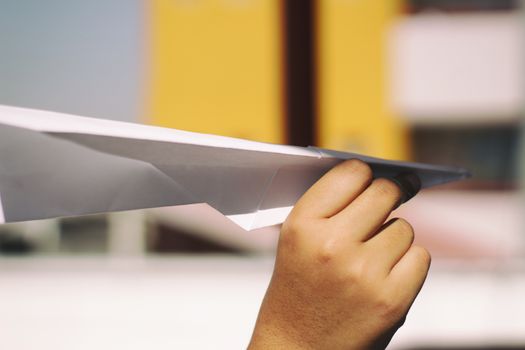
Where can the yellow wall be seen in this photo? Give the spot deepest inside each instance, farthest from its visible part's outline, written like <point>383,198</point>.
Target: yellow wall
<point>353,112</point>
<point>216,67</point>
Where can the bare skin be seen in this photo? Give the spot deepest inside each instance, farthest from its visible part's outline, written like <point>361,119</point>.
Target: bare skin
<point>343,278</point>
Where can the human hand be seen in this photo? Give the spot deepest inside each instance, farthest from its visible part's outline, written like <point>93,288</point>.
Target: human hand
<point>343,278</point>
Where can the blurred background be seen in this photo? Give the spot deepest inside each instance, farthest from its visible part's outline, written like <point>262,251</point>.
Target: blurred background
<point>438,81</point>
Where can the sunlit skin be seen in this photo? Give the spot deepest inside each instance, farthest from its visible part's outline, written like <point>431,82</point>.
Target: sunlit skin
<point>344,278</point>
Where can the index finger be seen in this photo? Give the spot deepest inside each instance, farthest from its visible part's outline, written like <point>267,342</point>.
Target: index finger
<point>335,190</point>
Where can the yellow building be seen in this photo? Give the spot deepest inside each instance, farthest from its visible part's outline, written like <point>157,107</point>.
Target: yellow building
<point>216,67</point>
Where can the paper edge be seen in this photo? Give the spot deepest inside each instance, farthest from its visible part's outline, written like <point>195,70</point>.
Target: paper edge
<point>243,220</point>
<point>2,216</point>
<point>261,218</point>
<point>270,217</point>
<point>140,131</point>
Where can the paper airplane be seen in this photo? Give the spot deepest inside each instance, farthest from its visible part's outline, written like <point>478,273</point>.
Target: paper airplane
<point>54,165</point>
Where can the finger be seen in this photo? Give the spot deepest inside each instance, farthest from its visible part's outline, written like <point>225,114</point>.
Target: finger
<point>330,194</point>
<point>390,244</point>
<point>368,212</point>
<point>409,274</point>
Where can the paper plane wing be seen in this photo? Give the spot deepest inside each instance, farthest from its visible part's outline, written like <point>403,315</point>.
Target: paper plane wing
<point>54,165</point>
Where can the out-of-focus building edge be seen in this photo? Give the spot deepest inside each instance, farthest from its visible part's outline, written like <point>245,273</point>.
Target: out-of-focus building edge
<point>352,74</point>
<point>521,160</point>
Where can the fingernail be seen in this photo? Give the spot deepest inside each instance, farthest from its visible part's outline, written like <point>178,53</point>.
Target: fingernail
<point>409,184</point>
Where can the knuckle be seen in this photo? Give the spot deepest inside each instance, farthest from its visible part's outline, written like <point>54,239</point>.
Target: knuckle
<point>423,255</point>
<point>404,225</point>
<point>356,273</point>
<point>292,226</point>
<point>326,253</point>
<point>296,231</point>
<point>358,167</point>
<point>404,228</point>
<point>290,231</point>
<point>387,188</point>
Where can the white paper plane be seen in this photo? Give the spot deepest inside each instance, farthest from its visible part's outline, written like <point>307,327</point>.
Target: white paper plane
<point>54,165</point>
